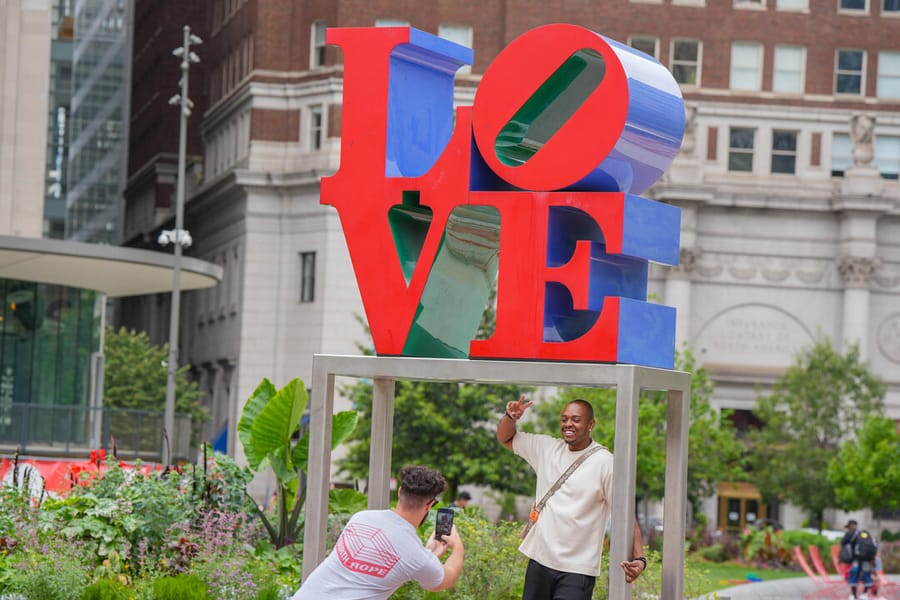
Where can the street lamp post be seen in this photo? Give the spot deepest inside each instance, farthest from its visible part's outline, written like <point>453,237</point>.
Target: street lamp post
<point>178,236</point>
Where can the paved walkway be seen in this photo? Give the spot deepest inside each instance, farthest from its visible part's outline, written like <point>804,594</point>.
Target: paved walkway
<point>796,588</point>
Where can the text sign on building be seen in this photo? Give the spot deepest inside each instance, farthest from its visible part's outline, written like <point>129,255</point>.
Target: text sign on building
<point>532,190</point>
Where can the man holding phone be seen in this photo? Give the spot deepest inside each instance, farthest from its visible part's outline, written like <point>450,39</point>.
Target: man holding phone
<point>379,550</point>
<point>574,493</point>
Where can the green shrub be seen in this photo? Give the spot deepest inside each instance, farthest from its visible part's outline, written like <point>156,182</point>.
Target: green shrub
<point>765,546</point>
<point>105,589</point>
<point>275,592</point>
<point>49,580</point>
<point>494,567</point>
<point>805,539</point>
<point>888,536</point>
<point>179,587</point>
<point>714,553</point>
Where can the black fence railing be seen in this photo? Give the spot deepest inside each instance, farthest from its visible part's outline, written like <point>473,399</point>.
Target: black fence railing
<point>73,431</point>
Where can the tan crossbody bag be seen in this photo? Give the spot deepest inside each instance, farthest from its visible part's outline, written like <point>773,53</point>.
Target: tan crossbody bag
<point>537,508</point>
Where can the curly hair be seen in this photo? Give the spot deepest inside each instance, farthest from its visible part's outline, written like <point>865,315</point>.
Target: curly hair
<point>421,482</point>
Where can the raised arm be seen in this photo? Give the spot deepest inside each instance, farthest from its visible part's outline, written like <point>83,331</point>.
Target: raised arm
<point>506,430</point>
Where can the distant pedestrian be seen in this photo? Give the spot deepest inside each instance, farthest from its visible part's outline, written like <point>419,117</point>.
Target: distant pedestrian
<point>864,550</point>
<point>462,500</point>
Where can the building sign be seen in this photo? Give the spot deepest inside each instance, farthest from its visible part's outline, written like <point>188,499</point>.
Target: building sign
<point>532,191</point>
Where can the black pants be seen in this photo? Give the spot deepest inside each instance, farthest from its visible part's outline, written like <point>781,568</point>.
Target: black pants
<point>544,583</point>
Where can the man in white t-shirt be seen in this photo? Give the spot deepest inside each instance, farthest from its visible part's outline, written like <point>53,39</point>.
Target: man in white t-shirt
<point>566,541</point>
<point>379,550</point>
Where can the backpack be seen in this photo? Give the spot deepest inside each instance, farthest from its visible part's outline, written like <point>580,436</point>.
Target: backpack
<point>866,548</point>
<point>846,554</point>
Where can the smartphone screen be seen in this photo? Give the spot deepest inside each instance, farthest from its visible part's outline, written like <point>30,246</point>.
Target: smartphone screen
<point>444,522</point>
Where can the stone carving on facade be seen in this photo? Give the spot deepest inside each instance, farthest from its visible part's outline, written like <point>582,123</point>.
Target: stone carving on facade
<point>889,338</point>
<point>803,272</point>
<point>887,279</point>
<point>742,268</point>
<point>810,276</point>
<point>687,262</point>
<point>776,272</point>
<point>708,267</point>
<point>711,265</point>
<point>689,140</point>
<point>857,271</point>
<point>862,127</point>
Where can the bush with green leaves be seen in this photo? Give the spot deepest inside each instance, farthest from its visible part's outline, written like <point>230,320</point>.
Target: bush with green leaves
<point>118,511</point>
<point>131,527</point>
<point>105,589</point>
<point>888,536</point>
<point>56,573</point>
<point>714,553</point>
<point>494,568</point>
<point>135,377</point>
<point>767,546</point>
<point>179,587</point>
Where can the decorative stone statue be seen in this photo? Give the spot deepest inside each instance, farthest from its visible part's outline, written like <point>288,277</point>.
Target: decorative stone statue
<point>688,141</point>
<point>861,130</point>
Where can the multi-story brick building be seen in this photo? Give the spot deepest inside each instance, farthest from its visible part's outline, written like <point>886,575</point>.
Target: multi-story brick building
<point>789,231</point>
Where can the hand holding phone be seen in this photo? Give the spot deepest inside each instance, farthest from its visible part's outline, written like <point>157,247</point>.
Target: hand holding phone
<point>444,523</point>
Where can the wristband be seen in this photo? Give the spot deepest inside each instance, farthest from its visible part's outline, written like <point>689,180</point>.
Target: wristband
<point>643,559</point>
<point>509,415</point>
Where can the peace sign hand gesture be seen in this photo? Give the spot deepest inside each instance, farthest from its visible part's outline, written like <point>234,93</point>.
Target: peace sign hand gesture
<point>516,408</point>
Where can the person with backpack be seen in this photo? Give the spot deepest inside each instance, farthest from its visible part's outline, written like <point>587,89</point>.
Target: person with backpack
<point>859,547</point>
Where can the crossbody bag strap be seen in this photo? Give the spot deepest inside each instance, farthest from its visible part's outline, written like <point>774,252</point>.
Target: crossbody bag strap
<point>537,508</point>
<point>562,478</point>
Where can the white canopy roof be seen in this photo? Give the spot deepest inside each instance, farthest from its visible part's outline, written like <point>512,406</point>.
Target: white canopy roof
<point>112,270</point>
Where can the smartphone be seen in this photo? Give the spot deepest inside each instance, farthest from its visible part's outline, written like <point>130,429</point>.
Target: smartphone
<point>444,523</point>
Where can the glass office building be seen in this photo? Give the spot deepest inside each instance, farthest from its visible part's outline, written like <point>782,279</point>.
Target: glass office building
<point>97,120</point>
<point>62,32</point>
<point>47,336</point>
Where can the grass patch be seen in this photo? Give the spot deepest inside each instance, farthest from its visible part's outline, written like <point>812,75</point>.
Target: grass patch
<point>719,576</point>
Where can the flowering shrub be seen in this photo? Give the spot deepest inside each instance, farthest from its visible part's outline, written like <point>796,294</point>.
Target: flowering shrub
<point>124,528</point>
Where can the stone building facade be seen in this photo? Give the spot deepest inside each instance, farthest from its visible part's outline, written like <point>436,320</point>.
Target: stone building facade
<point>24,87</point>
<point>787,179</point>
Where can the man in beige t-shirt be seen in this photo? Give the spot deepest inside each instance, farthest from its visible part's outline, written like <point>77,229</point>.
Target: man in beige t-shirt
<point>566,541</point>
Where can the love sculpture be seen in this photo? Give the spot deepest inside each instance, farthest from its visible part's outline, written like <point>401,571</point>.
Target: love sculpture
<point>532,189</point>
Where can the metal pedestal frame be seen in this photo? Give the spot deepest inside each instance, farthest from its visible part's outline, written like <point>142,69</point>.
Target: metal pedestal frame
<point>629,381</point>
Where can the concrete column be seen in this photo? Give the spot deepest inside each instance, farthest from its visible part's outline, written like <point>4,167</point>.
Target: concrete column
<point>678,293</point>
<point>382,437</point>
<point>861,201</point>
<point>856,272</point>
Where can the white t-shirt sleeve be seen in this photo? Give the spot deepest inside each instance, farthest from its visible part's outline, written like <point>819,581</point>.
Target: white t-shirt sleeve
<point>527,445</point>
<point>431,574</point>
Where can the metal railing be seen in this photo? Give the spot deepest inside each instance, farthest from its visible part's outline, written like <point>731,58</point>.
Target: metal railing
<point>73,431</point>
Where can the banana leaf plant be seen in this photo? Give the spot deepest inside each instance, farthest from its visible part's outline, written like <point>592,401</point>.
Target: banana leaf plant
<point>269,420</point>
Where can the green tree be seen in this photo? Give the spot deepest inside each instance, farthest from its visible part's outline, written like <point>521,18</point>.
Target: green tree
<point>866,471</point>
<point>447,426</point>
<point>822,399</point>
<point>714,452</point>
<point>135,375</point>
